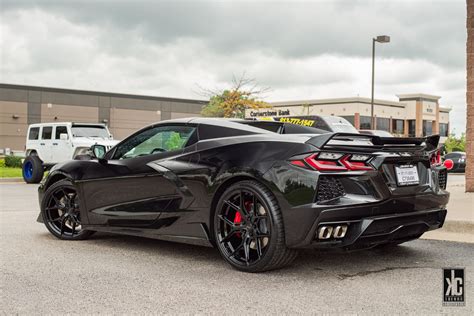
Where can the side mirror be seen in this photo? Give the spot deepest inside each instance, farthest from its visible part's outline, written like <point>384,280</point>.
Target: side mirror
<point>98,151</point>
<point>63,136</point>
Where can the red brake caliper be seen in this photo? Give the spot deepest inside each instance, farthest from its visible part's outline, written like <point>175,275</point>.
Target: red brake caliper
<point>237,220</point>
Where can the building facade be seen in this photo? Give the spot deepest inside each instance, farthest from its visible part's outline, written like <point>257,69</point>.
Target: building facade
<point>470,97</point>
<point>123,113</point>
<point>413,115</point>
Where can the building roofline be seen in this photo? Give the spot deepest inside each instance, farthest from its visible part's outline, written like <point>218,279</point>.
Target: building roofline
<point>444,109</point>
<point>338,101</point>
<point>98,93</point>
<point>416,96</point>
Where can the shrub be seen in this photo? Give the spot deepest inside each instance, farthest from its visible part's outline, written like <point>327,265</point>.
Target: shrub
<point>12,162</point>
<point>454,143</point>
<point>2,163</point>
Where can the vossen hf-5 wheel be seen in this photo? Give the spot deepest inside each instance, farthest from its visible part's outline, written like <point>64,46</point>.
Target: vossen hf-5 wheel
<point>32,169</point>
<point>248,229</point>
<point>60,209</point>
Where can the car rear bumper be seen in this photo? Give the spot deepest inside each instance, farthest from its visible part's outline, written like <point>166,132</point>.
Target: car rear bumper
<point>368,225</point>
<point>372,231</point>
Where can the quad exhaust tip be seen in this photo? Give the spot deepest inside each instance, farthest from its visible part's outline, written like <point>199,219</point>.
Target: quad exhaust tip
<point>327,231</point>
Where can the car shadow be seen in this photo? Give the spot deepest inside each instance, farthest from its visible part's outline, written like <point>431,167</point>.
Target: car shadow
<point>341,263</point>
<point>317,263</point>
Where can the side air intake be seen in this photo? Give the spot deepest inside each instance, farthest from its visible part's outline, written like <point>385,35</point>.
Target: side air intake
<point>329,188</point>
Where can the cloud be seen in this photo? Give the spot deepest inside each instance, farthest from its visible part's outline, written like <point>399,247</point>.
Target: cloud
<point>301,49</point>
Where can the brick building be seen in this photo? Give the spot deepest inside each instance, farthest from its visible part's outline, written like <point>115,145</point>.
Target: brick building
<point>123,113</point>
<point>470,97</point>
<point>412,115</point>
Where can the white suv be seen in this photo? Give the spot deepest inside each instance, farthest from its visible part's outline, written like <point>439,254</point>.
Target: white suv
<point>50,143</point>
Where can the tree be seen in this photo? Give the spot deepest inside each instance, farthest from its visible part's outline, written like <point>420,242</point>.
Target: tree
<point>244,94</point>
<point>454,143</point>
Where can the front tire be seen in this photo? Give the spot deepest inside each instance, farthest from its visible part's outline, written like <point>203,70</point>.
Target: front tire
<point>32,169</point>
<point>60,211</point>
<point>248,229</point>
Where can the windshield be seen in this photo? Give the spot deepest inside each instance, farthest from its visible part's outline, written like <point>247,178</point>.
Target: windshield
<point>340,124</point>
<point>89,131</point>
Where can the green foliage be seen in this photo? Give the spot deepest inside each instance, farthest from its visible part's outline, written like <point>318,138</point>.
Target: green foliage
<point>2,163</point>
<point>10,172</point>
<point>214,108</point>
<point>174,142</point>
<point>454,143</point>
<point>12,162</point>
<point>233,102</point>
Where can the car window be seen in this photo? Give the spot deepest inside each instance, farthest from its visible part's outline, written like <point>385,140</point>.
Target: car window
<point>60,130</point>
<point>34,133</point>
<point>47,132</point>
<point>452,155</point>
<point>155,140</point>
<point>89,131</point>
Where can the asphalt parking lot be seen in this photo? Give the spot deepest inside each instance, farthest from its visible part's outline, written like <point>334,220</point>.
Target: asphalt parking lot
<point>118,274</point>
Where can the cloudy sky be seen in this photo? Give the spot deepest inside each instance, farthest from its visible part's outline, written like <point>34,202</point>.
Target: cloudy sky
<point>300,49</point>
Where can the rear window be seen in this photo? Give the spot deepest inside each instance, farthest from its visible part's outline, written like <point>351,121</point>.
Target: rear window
<point>340,124</point>
<point>60,130</point>
<point>34,133</point>
<point>47,132</point>
<point>453,155</point>
<point>89,131</point>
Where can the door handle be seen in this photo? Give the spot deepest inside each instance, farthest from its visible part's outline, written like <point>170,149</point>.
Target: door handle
<point>42,144</point>
<point>55,144</point>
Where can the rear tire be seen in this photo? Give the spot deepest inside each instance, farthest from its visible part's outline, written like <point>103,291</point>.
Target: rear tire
<point>32,169</point>
<point>248,229</point>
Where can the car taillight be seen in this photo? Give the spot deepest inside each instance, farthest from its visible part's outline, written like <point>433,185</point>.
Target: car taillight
<point>435,158</point>
<point>325,161</point>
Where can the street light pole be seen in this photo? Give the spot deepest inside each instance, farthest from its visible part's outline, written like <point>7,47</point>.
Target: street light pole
<point>372,119</point>
<point>380,39</point>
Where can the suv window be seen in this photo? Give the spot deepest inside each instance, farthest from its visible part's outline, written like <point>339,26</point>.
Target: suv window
<point>47,132</point>
<point>60,130</point>
<point>89,131</point>
<point>155,140</point>
<point>34,133</point>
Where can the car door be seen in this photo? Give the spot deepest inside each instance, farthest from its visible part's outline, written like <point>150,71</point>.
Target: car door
<point>130,193</point>
<point>45,143</point>
<point>61,148</point>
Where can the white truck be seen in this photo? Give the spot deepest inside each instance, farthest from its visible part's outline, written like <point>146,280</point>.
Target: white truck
<point>50,143</point>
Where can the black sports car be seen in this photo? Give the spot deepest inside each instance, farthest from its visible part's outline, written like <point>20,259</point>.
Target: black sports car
<point>256,192</point>
<point>455,161</point>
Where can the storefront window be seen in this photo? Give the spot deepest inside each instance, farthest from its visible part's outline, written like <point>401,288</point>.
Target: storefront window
<point>350,118</point>
<point>427,128</point>
<point>364,122</point>
<point>398,127</point>
<point>411,128</point>
<point>383,124</point>
<point>443,129</point>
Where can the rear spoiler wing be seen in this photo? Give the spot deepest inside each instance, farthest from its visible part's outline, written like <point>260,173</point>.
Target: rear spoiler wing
<point>428,143</point>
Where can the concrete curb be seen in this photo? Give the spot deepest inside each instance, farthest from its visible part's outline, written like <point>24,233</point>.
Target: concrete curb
<point>11,180</point>
<point>462,227</point>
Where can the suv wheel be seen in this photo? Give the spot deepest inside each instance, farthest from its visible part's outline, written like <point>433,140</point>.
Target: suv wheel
<point>32,169</point>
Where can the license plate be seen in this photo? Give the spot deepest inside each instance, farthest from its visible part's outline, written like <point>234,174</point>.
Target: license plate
<point>407,175</point>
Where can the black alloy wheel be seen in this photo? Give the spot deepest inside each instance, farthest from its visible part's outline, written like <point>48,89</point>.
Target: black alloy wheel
<point>60,209</point>
<point>248,229</point>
